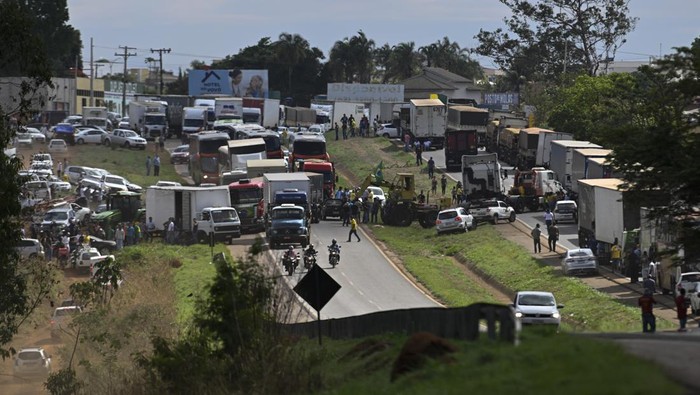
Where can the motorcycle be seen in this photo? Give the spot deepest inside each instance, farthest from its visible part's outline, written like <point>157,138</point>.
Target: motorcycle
<point>334,256</point>
<point>290,263</point>
<point>61,252</point>
<point>309,260</point>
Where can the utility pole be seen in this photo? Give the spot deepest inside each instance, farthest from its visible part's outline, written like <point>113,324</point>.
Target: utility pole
<point>160,57</point>
<point>92,76</point>
<point>126,56</point>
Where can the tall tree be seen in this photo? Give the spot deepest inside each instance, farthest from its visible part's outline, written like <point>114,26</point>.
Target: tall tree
<point>62,44</point>
<point>655,145</point>
<point>22,52</point>
<point>351,60</point>
<point>556,35</point>
<point>289,50</point>
<point>404,62</point>
<point>450,56</point>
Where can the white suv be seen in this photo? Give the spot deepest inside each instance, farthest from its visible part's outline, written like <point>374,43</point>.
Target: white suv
<point>32,362</point>
<point>30,249</point>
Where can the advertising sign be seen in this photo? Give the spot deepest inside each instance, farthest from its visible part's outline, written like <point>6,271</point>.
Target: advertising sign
<point>365,93</point>
<point>236,83</point>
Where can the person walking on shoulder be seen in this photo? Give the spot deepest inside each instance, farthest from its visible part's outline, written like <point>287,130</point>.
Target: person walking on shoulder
<point>148,165</point>
<point>548,218</point>
<point>647,302</point>
<point>353,229</point>
<point>156,165</point>
<point>682,310</point>
<point>431,167</point>
<point>443,184</point>
<point>553,233</point>
<point>536,233</point>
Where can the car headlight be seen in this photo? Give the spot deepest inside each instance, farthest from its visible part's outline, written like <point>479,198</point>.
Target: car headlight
<point>556,315</point>
<point>518,314</point>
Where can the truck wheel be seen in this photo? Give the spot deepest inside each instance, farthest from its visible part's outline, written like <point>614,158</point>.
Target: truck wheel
<point>495,219</point>
<point>126,145</point>
<point>386,135</point>
<point>511,218</point>
<point>107,143</point>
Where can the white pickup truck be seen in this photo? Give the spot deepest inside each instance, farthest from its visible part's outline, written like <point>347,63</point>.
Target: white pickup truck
<point>491,210</point>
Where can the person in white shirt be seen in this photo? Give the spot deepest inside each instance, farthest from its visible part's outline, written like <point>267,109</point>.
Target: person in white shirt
<point>548,218</point>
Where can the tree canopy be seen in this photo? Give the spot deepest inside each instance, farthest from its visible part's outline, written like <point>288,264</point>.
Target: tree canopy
<point>547,37</point>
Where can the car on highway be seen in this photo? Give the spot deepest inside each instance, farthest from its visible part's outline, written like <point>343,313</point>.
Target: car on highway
<point>90,136</point>
<point>455,219</point>
<point>331,208</point>
<point>537,308</point>
<point>180,155</point>
<point>30,249</point>
<point>44,158</point>
<point>124,138</point>
<point>58,145</point>
<point>388,130</point>
<point>579,261</point>
<point>58,185</point>
<point>566,210</point>
<point>491,210</point>
<point>62,316</point>
<point>118,183</point>
<point>36,135</point>
<point>378,193</point>
<point>688,281</point>
<point>23,139</point>
<point>694,295</point>
<point>32,362</point>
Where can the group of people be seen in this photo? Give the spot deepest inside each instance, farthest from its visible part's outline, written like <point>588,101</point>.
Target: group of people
<point>552,233</point>
<point>350,126</point>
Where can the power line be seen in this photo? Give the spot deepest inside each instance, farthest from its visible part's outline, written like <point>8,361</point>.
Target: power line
<point>126,56</point>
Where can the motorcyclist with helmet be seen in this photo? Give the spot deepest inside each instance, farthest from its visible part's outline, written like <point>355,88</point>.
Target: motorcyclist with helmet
<point>308,254</point>
<point>334,247</point>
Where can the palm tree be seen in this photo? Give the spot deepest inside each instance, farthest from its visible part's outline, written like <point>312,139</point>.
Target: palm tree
<point>361,49</point>
<point>339,61</point>
<point>290,49</point>
<point>403,62</point>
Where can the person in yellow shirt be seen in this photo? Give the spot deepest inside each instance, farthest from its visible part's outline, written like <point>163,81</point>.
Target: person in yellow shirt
<point>353,229</point>
<point>615,257</point>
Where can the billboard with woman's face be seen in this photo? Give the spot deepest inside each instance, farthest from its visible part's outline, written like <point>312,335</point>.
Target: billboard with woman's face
<point>248,83</point>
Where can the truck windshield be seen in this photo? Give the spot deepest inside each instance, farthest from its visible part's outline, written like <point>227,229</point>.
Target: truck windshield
<point>223,215</point>
<point>209,165</point>
<point>314,148</point>
<point>288,214</point>
<point>246,195</point>
<point>272,143</point>
<point>155,120</point>
<point>193,123</point>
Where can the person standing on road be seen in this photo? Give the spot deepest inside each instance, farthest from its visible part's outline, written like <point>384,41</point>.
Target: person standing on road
<point>433,185</point>
<point>148,165</point>
<point>649,284</point>
<point>156,165</point>
<point>553,236</point>
<point>536,233</point>
<point>548,218</point>
<point>353,229</point>
<point>431,167</point>
<point>647,302</point>
<point>682,310</point>
<point>443,184</point>
<point>615,256</point>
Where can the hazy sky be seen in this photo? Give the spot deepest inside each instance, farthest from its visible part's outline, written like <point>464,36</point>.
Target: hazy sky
<point>211,29</point>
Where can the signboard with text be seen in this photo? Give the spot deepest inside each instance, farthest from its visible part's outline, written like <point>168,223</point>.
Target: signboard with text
<point>365,93</point>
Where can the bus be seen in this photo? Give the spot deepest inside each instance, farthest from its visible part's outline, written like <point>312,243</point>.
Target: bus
<point>247,199</point>
<point>308,147</point>
<point>234,155</point>
<point>204,156</point>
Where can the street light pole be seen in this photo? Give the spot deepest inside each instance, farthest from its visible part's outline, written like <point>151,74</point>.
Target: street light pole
<point>160,71</point>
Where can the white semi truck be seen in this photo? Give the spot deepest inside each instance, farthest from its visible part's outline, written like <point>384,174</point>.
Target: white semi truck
<point>428,121</point>
<point>148,119</point>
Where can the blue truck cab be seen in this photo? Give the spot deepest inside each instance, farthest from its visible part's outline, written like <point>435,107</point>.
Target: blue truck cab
<point>288,225</point>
